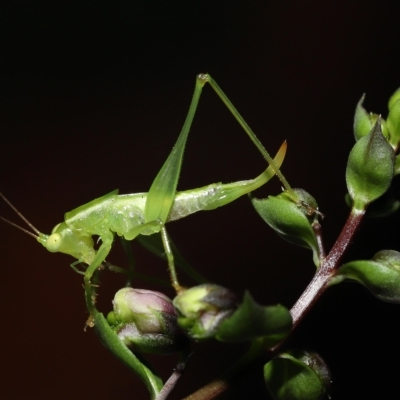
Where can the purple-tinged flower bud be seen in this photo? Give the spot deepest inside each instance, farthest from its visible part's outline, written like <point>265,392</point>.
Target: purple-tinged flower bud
<point>202,309</point>
<point>146,320</point>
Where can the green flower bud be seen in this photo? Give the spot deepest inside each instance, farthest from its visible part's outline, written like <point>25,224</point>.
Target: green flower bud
<point>364,121</point>
<point>202,309</point>
<point>293,222</point>
<point>146,320</point>
<point>370,168</point>
<point>297,375</point>
<point>381,275</point>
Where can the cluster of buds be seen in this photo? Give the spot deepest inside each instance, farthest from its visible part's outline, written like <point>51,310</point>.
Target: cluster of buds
<point>150,322</point>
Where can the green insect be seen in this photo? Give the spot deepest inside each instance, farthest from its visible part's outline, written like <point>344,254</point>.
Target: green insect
<point>131,215</point>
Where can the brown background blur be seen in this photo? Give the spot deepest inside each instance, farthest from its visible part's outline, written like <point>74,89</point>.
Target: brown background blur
<point>93,99</point>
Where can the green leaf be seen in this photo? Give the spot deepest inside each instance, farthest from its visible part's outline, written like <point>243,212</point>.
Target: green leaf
<point>362,123</point>
<point>297,376</point>
<point>252,320</point>
<point>381,275</point>
<point>112,342</point>
<point>393,124</point>
<point>397,165</point>
<point>292,221</point>
<point>393,98</point>
<point>370,168</point>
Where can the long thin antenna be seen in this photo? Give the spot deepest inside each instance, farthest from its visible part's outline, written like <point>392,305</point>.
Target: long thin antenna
<point>19,214</point>
<point>19,227</point>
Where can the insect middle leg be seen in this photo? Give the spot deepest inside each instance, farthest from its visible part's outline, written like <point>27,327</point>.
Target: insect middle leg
<point>170,259</point>
<point>158,226</point>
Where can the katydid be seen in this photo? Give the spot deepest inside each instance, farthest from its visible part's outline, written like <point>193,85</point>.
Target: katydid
<point>131,215</point>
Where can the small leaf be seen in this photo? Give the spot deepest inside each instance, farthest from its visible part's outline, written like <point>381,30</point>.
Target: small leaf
<point>381,275</point>
<point>397,166</point>
<point>112,342</point>
<point>297,376</point>
<point>292,221</point>
<point>393,98</point>
<point>393,124</point>
<point>370,168</point>
<point>252,320</point>
<point>362,123</point>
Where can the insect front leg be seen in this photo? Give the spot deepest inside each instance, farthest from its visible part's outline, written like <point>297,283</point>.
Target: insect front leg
<point>98,259</point>
<point>100,256</point>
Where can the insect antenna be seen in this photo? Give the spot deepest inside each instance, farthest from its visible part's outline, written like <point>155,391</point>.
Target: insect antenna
<point>21,216</point>
<point>19,227</point>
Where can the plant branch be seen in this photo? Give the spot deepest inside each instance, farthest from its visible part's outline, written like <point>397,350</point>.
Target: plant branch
<point>173,379</point>
<point>316,226</point>
<point>329,265</point>
<point>309,297</point>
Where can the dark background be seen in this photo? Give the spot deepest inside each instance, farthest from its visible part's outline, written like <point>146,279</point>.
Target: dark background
<point>93,99</point>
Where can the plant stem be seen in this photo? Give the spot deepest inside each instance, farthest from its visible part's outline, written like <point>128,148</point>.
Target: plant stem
<point>172,380</point>
<point>309,297</point>
<point>329,265</point>
<point>318,234</point>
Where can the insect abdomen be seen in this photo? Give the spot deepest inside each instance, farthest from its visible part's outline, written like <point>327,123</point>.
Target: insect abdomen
<point>191,201</point>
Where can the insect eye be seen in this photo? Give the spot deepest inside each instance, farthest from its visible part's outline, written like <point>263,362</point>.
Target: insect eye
<point>53,242</point>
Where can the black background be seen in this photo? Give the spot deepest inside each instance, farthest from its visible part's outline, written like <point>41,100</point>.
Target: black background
<point>93,97</point>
